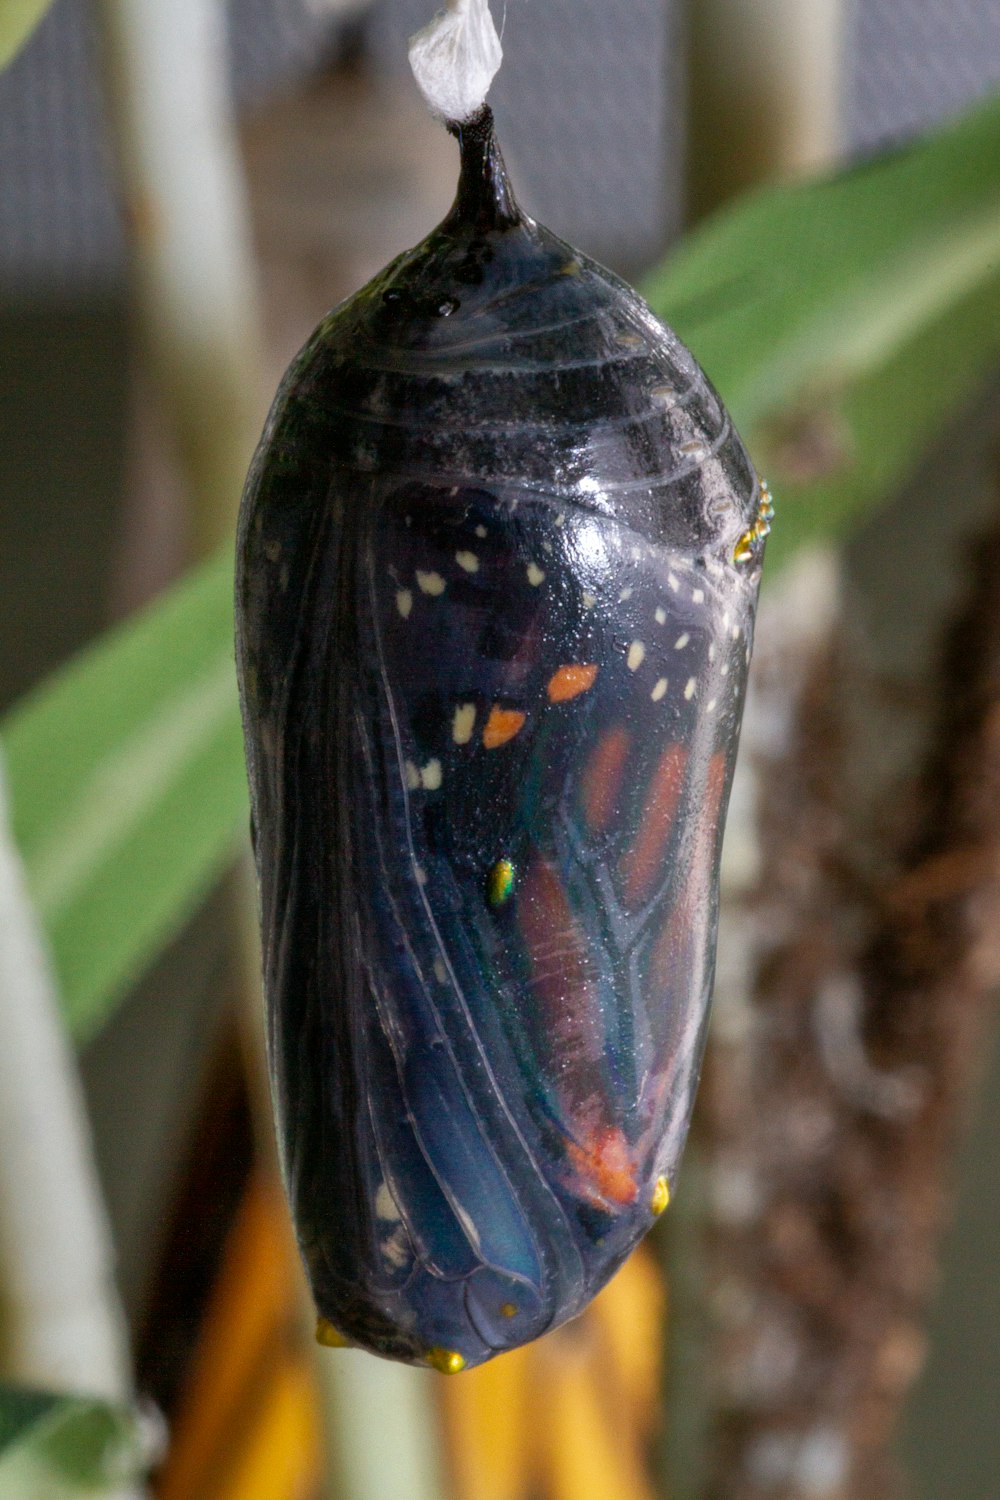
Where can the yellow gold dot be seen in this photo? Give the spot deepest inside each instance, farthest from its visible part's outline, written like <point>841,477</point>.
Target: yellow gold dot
<point>661,1196</point>
<point>445,1360</point>
<point>329,1336</point>
<point>744,547</point>
<point>509,1310</point>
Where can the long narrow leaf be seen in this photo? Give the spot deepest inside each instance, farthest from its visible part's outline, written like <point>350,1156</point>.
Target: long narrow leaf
<point>18,19</point>
<point>65,1447</point>
<point>844,321</point>
<point>128,790</point>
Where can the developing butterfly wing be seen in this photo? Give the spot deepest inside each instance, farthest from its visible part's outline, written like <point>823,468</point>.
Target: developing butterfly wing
<point>498,563</point>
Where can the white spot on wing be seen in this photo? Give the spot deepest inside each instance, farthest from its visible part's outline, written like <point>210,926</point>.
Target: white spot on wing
<point>659,691</point>
<point>385,1205</point>
<point>464,723</point>
<point>468,561</point>
<point>636,656</point>
<point>589,600</point>
<point>691,688</point>
<point>404,603</point>
<point>480,531</point>
<point>673,582</point>
<point>430,583</point>
<point>535,575</point>
<point>682,641</point>
<point>430,776</point>
<point>412,776</point>
<point>661,615</point>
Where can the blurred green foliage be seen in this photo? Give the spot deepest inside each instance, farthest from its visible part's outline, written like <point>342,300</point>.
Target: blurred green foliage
<point>65,1447</point>
<point>127,789</point>
<point>18,19</point>
<point>844,322</point>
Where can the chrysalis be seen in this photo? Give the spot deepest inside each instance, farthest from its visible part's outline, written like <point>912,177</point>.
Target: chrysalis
<point>498,563</point>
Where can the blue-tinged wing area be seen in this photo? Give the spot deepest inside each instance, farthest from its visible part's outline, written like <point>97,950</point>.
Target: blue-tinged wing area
<point>563,703</point>
<point>497,568</point>
<point>479,1088</point>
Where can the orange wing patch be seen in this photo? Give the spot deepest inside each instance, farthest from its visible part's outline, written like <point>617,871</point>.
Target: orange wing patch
<point>670,964</point>
<point>502,725</point>
<point>606,1167</point>
<point>569,682</point>
<point>641,865</point>
<point>602,779</point>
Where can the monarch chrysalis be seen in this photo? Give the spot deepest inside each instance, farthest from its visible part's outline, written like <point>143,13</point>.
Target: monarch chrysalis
<point>498,563</point>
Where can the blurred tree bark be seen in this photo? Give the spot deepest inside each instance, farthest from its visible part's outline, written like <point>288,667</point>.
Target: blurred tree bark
<point>858,965</point>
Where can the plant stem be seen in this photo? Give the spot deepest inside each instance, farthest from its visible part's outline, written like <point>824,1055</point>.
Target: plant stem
<point>850,1025</point>
<point>765,93</point>
<point>196,298</point>
<point>62,1324</point>
<point>191,255</point>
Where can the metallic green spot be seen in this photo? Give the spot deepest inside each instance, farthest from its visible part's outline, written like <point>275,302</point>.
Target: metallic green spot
<point>500,883</point>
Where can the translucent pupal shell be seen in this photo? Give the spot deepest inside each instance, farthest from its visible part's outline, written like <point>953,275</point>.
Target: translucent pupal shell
<point>495,601</point>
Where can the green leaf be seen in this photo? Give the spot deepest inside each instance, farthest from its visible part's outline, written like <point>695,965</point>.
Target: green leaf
<point>845,321</point>
<point>65,1447</point>
<point>18,19</point>
<point>128,790</point>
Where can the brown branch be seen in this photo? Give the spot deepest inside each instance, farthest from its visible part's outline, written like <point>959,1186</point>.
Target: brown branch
<point>829,1123</point>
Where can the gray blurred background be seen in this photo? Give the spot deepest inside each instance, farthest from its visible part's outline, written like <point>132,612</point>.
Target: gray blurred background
<point>593,104</point>
<point>592,111</point>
